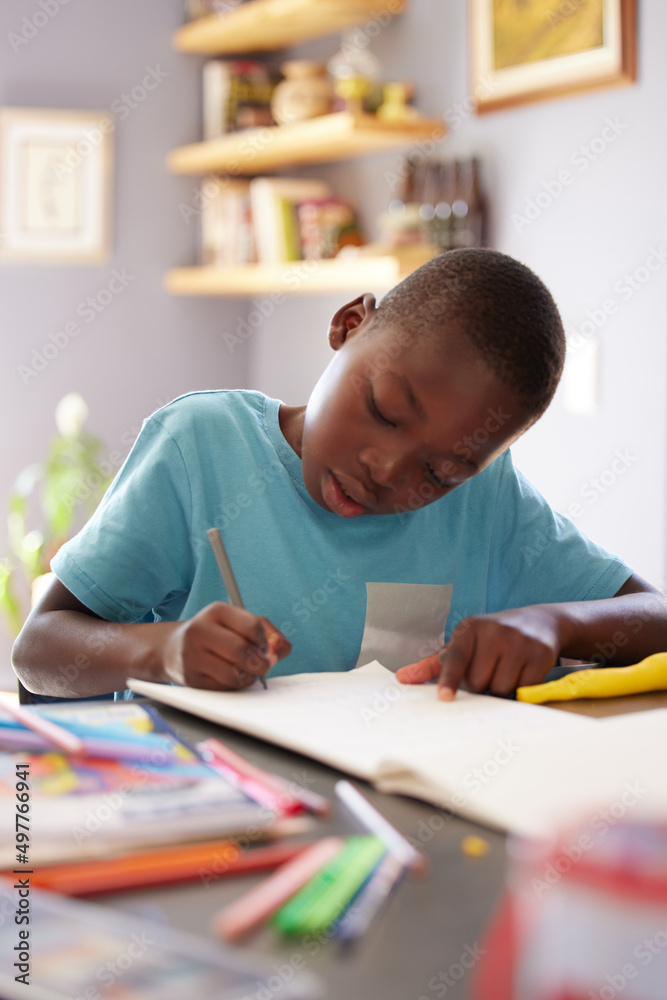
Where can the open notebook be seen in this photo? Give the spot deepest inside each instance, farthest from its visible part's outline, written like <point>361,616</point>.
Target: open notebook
<point>506,764</point>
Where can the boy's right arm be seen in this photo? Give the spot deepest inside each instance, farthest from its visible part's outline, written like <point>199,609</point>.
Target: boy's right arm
<point>65,650</point>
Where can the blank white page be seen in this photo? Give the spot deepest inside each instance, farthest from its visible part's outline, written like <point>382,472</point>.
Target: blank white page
<point>595,776</point>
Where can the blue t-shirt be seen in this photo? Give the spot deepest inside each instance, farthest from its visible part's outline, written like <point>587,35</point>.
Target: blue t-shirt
<point>343,591</point>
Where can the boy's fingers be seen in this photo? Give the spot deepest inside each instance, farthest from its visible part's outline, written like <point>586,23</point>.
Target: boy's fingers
<point>214,673</point>
<point>238,620</point>
<point>506,677</point>
<point>484,666</point>
<point>455,659</point>
<point>419,672</point>
<point>232,636</point>
<point>231,650</point>
<point>533,673</point>
<point>279,645</point>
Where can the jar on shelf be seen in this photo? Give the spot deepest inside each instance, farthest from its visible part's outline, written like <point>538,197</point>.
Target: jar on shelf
<point>395,107</point>
<point>306,92</point>
<point>355,68</point>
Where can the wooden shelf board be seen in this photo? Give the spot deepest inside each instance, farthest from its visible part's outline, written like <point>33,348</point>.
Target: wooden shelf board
<point>298,278</point>
<point>339,136</point>
<point>264,25</point>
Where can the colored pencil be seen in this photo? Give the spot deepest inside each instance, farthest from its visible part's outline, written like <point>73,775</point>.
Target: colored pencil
<point>56,735</point>
<point>227,574</point>
<point>94,746</point>
<point>291,796</point>
<point>161,866</point>
<point>248,778</point>
<point>358,918</point>
<point>374,822</point>
<point>245,914</point>
<point>322,900</point>
<point>313,801</point>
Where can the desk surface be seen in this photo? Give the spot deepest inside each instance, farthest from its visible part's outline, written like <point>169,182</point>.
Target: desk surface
<point>430,922</point>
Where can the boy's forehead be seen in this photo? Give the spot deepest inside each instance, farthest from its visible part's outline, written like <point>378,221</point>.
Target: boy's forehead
<point>409,351</point>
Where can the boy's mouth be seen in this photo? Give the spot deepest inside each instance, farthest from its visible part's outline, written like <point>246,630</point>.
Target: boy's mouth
<point>339,501</point>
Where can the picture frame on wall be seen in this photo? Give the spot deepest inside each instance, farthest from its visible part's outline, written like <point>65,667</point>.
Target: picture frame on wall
<point>533,50</point>
<point>55,186</point>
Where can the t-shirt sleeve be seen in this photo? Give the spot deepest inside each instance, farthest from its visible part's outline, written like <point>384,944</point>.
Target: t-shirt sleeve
<point>134,554</point>
<point>537,556</point>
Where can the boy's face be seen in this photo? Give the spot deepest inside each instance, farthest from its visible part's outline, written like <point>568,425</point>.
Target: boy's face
<point>392,426</point>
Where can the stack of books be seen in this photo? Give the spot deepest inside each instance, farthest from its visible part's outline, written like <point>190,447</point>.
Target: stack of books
<point>237,95</point>
<point>226,224</point>
<point>273,220</point>
<point>133,786</point>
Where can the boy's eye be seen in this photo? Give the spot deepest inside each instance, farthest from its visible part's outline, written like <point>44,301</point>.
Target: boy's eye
<point>377,413</point>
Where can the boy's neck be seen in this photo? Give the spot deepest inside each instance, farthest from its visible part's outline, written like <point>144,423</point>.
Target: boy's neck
<point>291,420</point>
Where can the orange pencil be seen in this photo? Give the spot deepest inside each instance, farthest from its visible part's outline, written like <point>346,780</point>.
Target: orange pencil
<point>161,866</point>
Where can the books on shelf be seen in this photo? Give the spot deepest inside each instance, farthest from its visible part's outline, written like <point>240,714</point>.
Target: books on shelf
<point>237,95</point>
<point>273,201</point>
<point>227,233</point>
<point>273,220</point>
<point>326,225</point>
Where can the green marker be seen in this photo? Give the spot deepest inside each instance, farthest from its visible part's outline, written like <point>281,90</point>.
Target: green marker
<point>322,901</point>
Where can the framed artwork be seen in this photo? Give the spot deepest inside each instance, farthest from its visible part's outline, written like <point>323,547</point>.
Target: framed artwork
<point>532,50</point>
<point>55,186</point>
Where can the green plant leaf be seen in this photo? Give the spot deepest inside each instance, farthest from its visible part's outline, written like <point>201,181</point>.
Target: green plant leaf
<point>9,603</point>
<point>67,485</point>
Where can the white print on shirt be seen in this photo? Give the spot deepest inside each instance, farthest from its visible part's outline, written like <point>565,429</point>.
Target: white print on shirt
<point>404,622</point>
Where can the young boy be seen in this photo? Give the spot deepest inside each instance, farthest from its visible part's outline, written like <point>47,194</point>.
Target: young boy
<point>380,520</point>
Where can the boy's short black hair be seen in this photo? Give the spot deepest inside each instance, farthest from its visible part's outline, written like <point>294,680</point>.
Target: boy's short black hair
<point>499,305</point>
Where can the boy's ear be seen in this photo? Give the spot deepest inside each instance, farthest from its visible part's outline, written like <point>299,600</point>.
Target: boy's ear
<point>350,318</point>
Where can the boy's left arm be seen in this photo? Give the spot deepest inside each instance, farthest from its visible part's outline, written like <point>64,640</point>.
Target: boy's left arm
<point>508,649</point>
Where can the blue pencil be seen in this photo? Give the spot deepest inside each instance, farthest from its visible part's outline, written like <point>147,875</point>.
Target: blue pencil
<point>370,900</point>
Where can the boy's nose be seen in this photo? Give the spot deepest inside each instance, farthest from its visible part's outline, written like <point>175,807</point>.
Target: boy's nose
<point>386,469</point>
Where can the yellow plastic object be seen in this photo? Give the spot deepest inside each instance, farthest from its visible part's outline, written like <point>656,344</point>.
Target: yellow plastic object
<point>475,847</point>
<point>602,682</point>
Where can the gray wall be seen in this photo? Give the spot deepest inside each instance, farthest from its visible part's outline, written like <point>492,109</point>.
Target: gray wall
<point>602,226</point>
<point>146,347</point>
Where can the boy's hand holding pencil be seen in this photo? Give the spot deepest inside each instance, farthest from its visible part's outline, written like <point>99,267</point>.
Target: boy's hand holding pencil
<point>222,648</point>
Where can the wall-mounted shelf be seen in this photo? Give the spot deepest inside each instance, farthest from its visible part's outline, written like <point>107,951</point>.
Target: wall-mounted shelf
<point>340,136</point>
<point>264,25</point>
<point>362,273</point>
<point>267,25</point>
